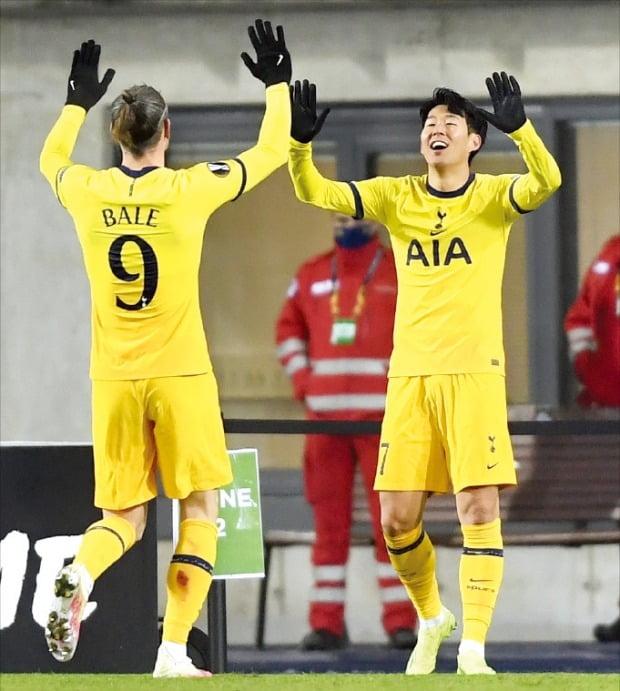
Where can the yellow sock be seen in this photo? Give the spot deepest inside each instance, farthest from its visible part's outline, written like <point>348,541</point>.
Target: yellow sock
<point>480,576</point>
<point>413,557</point>
<point>189,578</point>
<point>104,543</point>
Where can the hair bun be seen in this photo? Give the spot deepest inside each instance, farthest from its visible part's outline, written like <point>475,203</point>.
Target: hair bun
<point>129,97</point>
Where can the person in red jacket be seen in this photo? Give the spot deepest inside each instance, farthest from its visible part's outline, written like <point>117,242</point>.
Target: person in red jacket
<point>592,326</point>
<point>334,339</point>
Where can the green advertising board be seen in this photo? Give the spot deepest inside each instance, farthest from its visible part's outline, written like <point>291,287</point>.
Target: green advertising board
<point>240,529</point>
<point>239,524</point>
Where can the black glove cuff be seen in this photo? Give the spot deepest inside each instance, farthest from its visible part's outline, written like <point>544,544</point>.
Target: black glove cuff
<point>76,102</point>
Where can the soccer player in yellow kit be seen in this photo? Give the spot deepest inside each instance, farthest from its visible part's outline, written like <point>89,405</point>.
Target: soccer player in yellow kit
<point>154,395</point>
<point>445,425</point>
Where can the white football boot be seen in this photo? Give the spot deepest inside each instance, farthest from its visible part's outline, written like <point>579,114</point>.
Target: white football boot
<point>71,590</point>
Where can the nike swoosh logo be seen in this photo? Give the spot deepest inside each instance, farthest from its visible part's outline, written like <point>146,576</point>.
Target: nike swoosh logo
<point>280,58</point>
<point>72,84</point>
<point>491,466</point>
<point>437,232</point>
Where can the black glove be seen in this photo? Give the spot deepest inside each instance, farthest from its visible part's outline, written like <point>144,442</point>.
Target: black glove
<point>83,87</point>
<point>505,96</point>
<point>305,124</point>
<point>273,62</point>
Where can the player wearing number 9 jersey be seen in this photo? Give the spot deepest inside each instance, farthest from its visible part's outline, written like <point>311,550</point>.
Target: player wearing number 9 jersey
<point>141,232</point>
<point>155,400</point>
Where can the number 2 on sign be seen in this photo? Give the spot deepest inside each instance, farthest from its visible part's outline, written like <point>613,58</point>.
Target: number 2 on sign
<point>385,446</point>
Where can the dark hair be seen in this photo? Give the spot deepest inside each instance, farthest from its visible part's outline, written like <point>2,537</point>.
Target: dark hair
<point>138,116</point>
<point>458,105</point>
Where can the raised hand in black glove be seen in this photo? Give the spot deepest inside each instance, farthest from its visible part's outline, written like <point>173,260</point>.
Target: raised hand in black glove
<point>305,124</point>
<point>506,100</point>
<point>83,87</point>
<point>273,62</point>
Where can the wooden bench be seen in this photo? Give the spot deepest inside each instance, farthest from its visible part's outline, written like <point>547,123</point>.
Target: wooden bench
<point>568,494</point>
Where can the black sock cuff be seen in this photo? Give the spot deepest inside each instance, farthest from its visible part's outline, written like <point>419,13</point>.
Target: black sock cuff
<point>96,526</point>
<point>193,560</point>
<point>408,548</point>
<point>479,552</point>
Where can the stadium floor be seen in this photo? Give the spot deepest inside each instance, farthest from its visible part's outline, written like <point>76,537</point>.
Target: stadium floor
<point>504,657</point>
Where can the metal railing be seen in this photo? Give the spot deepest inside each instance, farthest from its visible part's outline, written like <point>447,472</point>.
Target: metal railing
<point>216,606</point>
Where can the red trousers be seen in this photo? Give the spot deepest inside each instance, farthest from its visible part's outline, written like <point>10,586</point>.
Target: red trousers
<point>330,463</point>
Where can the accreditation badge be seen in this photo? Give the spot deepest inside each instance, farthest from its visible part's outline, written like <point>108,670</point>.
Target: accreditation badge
<point>343,332</point>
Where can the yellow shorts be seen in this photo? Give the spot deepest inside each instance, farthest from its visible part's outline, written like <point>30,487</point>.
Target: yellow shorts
<point>170,424</point>
<point>444,433</point>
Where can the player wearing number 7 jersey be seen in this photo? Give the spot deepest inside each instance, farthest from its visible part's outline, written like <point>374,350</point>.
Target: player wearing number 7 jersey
<point>155,400</point>
<point>445,424</point>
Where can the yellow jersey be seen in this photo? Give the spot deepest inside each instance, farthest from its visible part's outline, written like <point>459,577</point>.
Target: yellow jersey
<point>449,249</point>
<point>141,234</point>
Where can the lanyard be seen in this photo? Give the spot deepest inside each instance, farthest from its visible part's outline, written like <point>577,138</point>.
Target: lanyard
<point>361,291</point>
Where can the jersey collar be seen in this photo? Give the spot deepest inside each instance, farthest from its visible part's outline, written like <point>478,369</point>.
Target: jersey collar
<point>137,173</point>
<point>452,193</point>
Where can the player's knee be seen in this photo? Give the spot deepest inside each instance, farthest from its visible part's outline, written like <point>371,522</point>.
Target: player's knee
<point>397,520</point>
<point>201,505</point>
<point>477,505</point>
<point>400,512</point>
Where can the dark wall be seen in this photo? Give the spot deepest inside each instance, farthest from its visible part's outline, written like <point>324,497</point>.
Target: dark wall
<point>47,492</point>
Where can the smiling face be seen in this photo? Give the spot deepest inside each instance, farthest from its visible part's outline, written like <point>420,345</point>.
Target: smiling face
<point>445,138</point>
